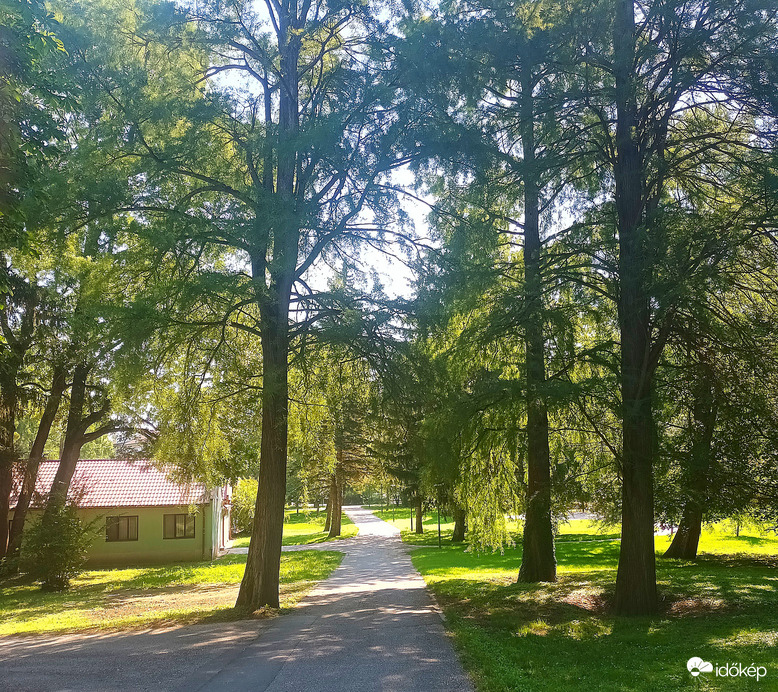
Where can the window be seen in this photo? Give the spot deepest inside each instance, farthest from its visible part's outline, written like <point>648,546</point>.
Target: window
<point>179,526</point>
<point>121,529</point>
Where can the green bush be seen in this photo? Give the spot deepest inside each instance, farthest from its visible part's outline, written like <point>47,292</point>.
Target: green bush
<point>55,548</point>
<point>244,500</point>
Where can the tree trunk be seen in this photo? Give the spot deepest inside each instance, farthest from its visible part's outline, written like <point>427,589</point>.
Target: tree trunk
<point>538,561</point>
<point>336,499</point>
<point>687,537</point>
<point>74,441</point>
<point>419,514</point>
<point>704,410</point>
<point>636,577</point>
<point>261,578</point>
<point>460,525</point>
<point>34,460</point>
<point>8,407</point>
<point>15,345</point>
<point>259,586</point>
<point>328,509</point>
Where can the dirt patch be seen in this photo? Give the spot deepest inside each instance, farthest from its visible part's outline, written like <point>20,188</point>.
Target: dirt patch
<point>697,606</point>
<point>587,600</point>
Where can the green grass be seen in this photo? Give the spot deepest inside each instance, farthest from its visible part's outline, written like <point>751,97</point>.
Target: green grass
<point>559,637</point>
<point>120,598</point>
<point>400,518</point>
<point>305,528</point>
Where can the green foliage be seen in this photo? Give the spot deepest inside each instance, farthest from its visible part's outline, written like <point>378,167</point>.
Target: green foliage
<point>32,88</point>
<point>244,501</point>
<point>55,547</point>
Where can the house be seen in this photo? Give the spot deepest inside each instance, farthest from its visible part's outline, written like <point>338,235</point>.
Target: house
<point>144,516</point>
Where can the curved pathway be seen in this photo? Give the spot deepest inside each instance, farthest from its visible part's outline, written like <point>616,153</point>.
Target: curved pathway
<point>370,627</point>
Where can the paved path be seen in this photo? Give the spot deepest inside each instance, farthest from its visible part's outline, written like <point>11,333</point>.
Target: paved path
<point>370,627</point>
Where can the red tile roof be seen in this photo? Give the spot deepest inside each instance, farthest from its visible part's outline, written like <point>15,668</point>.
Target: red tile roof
<point>120,483</point>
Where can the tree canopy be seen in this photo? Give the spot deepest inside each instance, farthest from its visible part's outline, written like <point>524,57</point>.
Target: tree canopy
<point>197,201</point>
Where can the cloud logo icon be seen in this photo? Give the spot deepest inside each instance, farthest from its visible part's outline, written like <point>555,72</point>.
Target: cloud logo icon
<point>696,666</point>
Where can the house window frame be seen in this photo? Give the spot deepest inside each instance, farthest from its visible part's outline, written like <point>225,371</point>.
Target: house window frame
<point>187,519</point>
<point>119,520</point>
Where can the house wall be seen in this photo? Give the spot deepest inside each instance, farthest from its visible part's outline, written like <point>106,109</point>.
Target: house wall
<point>220,520</point>
<point>151,547</point>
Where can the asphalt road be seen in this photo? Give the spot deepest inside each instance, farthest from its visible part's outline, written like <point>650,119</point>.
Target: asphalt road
<point>370,627</point>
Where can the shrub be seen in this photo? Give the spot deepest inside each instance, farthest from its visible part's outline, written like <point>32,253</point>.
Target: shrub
<point>244,500</point>
<point>55,548</point>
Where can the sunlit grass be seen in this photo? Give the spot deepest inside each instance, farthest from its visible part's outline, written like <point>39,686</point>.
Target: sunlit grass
<point>304,528</point>
<point>558,637</point>
<point>118,598</point>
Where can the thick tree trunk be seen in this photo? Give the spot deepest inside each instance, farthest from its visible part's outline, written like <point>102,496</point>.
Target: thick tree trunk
<point>704,412</point>
<point>8,406</point>
<point>460,525</point>
<point>538,561</point>
<point>34,460</point>
<point>687,537</point>
<point>259,586</point>
<point>336,493</point>
<point>14,346</point>
<point>636,592</point>
<point>419,514</point>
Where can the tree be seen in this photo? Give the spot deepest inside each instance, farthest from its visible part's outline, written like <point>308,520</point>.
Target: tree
<point>668,61</point>
<point>259,182</point>
<point>347,395</point>
<point>17,320</point>
<point>34,458</point>
<point>523,161</point>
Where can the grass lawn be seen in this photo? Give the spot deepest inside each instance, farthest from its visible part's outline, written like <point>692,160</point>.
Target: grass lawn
<point>169,594</point>
<point>400,518</point>
<point>305,528</point>
<point>558,637</point>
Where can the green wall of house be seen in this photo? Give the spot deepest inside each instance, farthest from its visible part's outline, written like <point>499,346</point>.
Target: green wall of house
<point>151,547</point>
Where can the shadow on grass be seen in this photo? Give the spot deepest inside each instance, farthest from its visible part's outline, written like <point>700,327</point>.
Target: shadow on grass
<point>562,636</point>
<point>194,592</point>
<point>428,538</point>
